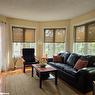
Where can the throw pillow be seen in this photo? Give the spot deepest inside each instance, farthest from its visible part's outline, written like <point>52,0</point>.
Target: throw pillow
<point>80,64</point>
<point>57,58</point>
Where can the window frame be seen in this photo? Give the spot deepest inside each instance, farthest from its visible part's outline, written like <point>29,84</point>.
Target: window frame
<point>22,43</point>
<point>86,42</point>
<point>54,42</point>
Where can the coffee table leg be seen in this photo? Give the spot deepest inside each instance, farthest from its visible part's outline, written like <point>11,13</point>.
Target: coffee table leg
<point>32,71</point>
<point>40,84</point>
<point>55,77</point>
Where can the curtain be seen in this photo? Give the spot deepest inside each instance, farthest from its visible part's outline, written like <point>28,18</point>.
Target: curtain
<point>4,47</point>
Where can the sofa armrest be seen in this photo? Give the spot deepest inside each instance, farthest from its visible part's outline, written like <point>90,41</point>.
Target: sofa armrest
<point>49,60</point>
<point>87,70</point>
<point>85,77</point>
<point>82,71</point>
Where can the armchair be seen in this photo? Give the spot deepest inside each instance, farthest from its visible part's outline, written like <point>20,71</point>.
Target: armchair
<point>29,57</point>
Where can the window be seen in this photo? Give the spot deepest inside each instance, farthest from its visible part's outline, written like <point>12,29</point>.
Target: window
<point>22,38</point>
<point>84,42</point>
<point>54,41</point>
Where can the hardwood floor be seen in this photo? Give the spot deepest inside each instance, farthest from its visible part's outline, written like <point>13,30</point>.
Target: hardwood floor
<point>19,83</point>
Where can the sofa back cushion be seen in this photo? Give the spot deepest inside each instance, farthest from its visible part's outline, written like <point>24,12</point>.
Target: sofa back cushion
<point>64,56</point>
<point>80,64</point>
<point>72,59</point>
<point>91,60</point>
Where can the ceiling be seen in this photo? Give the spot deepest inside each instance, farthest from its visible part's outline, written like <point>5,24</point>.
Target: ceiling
<point>45,10</point>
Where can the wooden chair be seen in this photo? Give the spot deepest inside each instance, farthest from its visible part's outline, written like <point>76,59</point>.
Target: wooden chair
<point>29,57</point>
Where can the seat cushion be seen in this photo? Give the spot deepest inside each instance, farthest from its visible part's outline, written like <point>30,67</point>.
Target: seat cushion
<point>72,59</point>
<point>91,60</point>
<point>64,67</point>
<point>70,70</point>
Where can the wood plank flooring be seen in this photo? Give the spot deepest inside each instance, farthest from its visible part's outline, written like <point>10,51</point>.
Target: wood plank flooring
<point>19,83</point>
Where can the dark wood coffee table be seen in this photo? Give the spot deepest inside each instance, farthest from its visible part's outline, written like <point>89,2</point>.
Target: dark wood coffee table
<point>40,70</point>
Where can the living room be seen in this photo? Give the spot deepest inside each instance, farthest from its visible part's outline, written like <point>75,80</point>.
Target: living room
<point>76,16</point>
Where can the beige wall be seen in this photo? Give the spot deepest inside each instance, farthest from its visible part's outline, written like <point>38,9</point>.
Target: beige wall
<point>2,18</point>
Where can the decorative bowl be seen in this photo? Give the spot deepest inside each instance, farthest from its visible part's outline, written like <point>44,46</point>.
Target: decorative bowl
<point>43,65</point>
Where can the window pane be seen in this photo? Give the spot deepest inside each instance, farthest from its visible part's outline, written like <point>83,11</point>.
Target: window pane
<point>79,48</point>
<point>84,48</point>
<point>29,35</point>
<point>80,34</point>
<point>59,47</point>
<point>60,35</point>
<point>49,49</point>
<point>53,48</point>
<point>49,36</point>
<point>91,32</point>
<point>91,48</point>
<point>17,48</point>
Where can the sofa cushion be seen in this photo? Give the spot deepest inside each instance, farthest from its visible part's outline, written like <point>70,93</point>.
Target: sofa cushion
<point>64,56</point>
<point>57,65</point>
<point>72,59</point>
<point>80,64</point>
<point>64,67</point>
<point>57,58</point>
<point>70,70</point>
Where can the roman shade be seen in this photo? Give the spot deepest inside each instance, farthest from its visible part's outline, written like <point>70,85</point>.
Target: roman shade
<point>49,36</point>
<point>29,35</point>
<point>91,32</point>
<point>80,34</point>
<point>23,34</point>
<point>18,35</point>
<point>85,33</point>
<point>56,35</point>
<point>60,35</point>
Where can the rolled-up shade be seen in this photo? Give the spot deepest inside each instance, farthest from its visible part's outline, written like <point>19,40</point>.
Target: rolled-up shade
<point>60,35</point>
<point>80,34</point>
<point>29,35</point>
<point>23,34</point>
<point>49,36</point>
<point>18,35</point>
<point>54,35</point>
<point>85,33</point>
<point>91,33</point>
